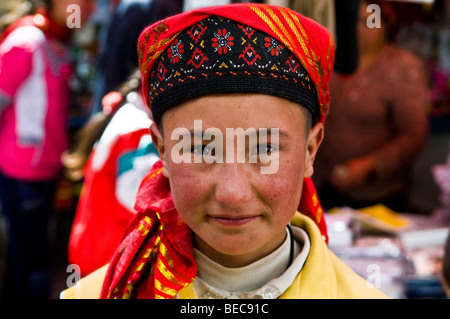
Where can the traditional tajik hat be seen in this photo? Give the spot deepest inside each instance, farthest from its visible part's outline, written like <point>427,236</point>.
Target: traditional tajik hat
<point>249,48</point>
<point>219,55</point>
<point>244,48</point>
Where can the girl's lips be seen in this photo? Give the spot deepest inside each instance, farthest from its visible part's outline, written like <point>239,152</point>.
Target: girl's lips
<point>233,221</point>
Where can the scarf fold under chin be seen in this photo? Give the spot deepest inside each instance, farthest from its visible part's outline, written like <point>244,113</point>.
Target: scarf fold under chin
<point>155,259</point>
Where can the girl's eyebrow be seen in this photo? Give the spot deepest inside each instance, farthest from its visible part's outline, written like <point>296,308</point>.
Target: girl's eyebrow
<point>263,131</point>
<point>268,131</point>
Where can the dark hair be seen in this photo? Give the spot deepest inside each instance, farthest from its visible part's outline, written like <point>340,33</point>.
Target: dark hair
<point>75,159</point>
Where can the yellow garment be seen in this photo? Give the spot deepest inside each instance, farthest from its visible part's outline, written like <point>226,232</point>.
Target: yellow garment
<point>323,276</point>
<point>88,287</point>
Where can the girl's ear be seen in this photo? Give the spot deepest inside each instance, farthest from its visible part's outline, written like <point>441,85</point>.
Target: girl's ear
<point>158,141</point>
<point>315,138</point>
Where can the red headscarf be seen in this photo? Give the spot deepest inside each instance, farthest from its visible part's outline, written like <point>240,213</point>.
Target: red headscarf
<point>155,259</point>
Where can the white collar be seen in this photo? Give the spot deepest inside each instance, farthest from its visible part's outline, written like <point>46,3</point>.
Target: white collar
<point>266,278</point>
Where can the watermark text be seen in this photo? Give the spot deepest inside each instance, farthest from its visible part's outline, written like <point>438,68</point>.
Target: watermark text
<point>256,146</point>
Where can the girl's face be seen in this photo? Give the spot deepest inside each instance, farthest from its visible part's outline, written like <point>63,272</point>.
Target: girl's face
<point>237,213</point>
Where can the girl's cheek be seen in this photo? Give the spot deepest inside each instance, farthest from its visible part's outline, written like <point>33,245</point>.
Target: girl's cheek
<point>189,184</point>
<point>286,184</point>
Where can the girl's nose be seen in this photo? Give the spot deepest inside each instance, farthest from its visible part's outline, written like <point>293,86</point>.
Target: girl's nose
<point>234,187</point>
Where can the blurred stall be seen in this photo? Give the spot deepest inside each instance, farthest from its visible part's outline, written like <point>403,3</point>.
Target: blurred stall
<point>401,254</point>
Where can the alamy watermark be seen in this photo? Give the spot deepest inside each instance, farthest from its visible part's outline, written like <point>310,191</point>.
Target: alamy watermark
<point>374,19</point>
<point>75,275</point>
<point>373,279</point>
<point>74,19</point>
<point>194,146</point>
<point>374,276</point>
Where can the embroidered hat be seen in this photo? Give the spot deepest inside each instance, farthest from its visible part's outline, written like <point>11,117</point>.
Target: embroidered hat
<point>218,42</point>
<point>219,55</point>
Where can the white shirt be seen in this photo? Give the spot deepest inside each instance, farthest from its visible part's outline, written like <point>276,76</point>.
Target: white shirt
<point>267,278</point>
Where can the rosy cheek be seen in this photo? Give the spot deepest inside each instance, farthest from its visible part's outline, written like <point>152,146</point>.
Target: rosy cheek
<point>285,186</point>
<point>189,187</point>
<point>280,189</point>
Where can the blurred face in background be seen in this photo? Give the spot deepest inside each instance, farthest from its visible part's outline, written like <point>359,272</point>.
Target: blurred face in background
<point>60,10</point>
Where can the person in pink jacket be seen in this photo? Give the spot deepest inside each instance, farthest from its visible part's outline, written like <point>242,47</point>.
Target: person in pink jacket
<point>34,102</point>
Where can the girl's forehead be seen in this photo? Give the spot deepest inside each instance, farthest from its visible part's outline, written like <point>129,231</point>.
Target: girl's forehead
<point>245,107</point>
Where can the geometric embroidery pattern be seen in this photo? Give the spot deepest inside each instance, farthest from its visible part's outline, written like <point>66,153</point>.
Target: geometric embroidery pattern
<point>214,46</point>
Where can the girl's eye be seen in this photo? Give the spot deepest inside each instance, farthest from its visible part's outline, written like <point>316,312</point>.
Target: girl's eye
<point>265,149</point>
<point>202,150</point>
